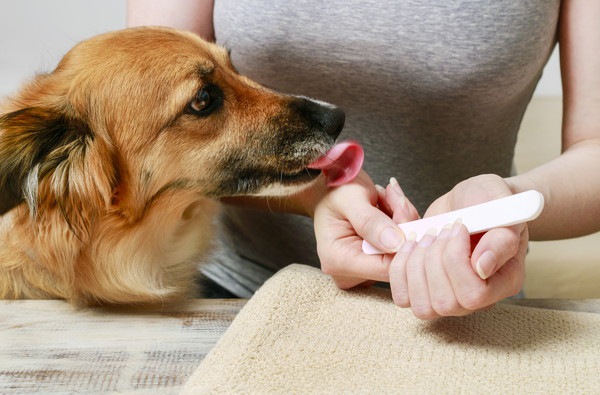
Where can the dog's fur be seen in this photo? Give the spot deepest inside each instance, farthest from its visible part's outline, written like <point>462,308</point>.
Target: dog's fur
<point>110,166</point>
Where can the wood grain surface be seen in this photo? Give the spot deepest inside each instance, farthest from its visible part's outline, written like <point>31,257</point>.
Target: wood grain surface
<point>49,347</point>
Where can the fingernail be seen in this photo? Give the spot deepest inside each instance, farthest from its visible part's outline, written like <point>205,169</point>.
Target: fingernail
<point>391,238</point>
<point>380,189</point>
<point>486,264</point>
<point>408,245</point>
<point>403,202</point>
<point>396,186</point>
<point>445,232</point>
<point>456,227</point>
<point>428,238</point>
<point>432,232</point>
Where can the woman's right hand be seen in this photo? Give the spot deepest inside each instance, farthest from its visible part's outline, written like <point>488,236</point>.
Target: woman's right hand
<point>359,210</point>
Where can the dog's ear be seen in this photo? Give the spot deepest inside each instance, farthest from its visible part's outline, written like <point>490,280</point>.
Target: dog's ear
<point>26,137</point>
<point>48,158</point>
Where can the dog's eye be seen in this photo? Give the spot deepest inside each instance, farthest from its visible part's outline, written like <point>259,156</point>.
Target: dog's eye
<point>201,101</point>
<point>207,99</point>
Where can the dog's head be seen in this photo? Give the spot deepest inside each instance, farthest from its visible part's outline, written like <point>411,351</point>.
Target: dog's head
<point>130,116</point>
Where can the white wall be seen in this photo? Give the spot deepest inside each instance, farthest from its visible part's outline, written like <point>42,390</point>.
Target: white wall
<point>550,84</point>
<point>34,34</point>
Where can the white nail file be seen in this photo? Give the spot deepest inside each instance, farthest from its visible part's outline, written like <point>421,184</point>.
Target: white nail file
<point>510,210</point>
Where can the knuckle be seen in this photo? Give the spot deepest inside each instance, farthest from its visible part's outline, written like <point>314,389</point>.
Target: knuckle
<point>514,243</point>
<point>515,286</point>
<point>401,298</point>
<point>445,306</point>
<point>424,312</point>
<point>474,298</point>
<point>510,240</point>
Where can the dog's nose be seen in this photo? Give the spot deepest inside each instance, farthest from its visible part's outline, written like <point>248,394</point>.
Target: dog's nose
<point>333,121</point>
<point>327,117</point>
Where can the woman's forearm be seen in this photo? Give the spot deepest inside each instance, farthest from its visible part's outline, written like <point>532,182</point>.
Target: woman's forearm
<point>571,182</point>
<point>571,187</point>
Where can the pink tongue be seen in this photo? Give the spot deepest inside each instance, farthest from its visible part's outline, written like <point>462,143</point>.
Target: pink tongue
<point>341,163</point>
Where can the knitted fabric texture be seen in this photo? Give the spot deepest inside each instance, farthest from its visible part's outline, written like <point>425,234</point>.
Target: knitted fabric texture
<point>301,334</point>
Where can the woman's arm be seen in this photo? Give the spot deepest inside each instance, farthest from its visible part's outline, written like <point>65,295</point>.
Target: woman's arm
<point>195,16</point>
<point>571,182</point>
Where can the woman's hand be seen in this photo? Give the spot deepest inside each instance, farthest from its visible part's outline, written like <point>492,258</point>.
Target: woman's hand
<point>350,213</point>
<point>454,274</point>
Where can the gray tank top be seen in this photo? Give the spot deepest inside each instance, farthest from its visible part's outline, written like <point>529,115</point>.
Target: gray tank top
<point>435,91</point>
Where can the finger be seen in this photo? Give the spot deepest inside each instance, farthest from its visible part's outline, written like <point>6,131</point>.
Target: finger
<point>441,293</point>
<point>342,258</point>
<point>382,202</point>
<point>511,275</point>
<point>373,225</point>
<point>508,280</point>
<point>472,292</point>
<point>397,273</point>
<point>418,288</point>
<point>352,271</point>
<point>402,209</point>
<point>495,248</point>
<point>350,282</point>
<point>342,221</point>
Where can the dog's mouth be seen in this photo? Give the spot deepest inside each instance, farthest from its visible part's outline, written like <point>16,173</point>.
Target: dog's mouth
<point>304,175</point>
<point>341,164</point>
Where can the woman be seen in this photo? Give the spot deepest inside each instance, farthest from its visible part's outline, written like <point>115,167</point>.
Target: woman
<point>435,91</point>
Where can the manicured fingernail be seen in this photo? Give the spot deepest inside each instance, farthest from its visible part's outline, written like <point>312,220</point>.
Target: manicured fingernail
<point>391,238</point>
<point>402,202</point>
<point>456,227</point>
<point>380,189</point>
<point>486,264</point>
<point>396,186</point>
<point>428,238</point>
<point>408,245</point>
<point>445,232</point>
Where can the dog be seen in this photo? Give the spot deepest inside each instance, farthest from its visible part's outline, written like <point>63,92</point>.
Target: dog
<point>112,165</point>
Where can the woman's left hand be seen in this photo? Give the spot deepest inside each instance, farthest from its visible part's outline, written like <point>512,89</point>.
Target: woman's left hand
<point>454,274</point>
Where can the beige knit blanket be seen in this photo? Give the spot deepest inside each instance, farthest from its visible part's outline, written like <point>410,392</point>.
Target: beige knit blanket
<point>300,334</point>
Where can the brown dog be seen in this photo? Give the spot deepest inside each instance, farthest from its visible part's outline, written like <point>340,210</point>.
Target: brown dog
<point>109,165</point>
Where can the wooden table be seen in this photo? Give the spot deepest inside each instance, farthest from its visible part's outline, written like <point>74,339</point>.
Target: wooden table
<point>49,347</point>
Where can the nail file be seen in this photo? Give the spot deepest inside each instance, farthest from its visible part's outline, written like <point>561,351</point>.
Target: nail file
<point>510,210</point>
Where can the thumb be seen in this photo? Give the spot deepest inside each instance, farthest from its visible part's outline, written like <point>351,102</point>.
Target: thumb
<point>496,247</point>
<point>377,228</point>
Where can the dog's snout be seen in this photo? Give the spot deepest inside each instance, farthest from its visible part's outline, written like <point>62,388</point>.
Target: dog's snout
<point>333,121</point>
<point>324,116</point>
